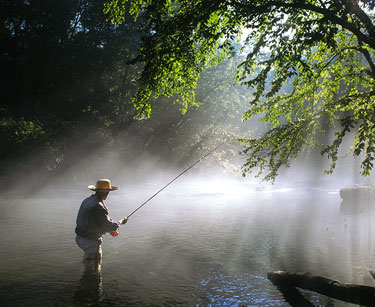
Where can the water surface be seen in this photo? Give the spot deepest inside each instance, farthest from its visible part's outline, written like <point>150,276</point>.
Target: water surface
<point>196,244</point>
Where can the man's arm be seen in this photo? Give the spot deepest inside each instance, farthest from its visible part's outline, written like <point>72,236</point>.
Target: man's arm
<point>102,220</point>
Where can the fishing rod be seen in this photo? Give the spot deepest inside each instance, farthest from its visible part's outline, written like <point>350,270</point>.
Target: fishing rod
<point>191,166</point>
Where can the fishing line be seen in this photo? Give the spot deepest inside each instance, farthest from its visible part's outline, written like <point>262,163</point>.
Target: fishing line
<point>191,166</point>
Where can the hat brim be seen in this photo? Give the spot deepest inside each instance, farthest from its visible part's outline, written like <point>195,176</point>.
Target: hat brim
<point>93,188</point>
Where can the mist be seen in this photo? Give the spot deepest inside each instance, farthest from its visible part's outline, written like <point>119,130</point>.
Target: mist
<point>208,238</point>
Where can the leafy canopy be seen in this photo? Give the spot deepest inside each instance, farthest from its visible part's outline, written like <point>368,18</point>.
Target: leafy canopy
<point>310,64</point>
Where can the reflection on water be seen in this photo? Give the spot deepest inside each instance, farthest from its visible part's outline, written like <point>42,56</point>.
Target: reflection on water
<point>187,247</point>
<point>90,290</point>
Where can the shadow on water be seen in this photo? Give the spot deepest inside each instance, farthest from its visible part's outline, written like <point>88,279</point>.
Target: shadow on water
<point>294,297</point>
<point>37,293</point>
<point>356,207</point>
<point>88,291</point>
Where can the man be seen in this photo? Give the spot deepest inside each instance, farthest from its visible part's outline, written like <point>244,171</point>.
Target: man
<point>93,222</point>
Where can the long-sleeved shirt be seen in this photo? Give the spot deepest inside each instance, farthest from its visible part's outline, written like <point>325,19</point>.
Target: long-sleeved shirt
<point>93,220</point>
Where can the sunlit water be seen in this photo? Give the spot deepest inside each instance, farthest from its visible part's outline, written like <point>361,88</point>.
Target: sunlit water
<point>195,244</point>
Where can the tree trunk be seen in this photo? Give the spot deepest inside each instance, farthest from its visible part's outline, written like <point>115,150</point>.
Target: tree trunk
<point>351,293</point>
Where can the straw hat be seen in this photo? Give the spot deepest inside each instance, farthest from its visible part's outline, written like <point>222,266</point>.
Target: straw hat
<point>102,185</point>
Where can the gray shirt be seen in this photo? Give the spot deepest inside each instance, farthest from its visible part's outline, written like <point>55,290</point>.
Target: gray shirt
<point>93,220</point>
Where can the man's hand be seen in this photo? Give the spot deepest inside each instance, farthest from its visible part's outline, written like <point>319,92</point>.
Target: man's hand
<point>124,220</point>
<point>114,233</point>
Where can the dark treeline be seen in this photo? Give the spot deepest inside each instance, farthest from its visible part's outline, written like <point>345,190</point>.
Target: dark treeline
<point>62,70</point>
<point>66,88</point>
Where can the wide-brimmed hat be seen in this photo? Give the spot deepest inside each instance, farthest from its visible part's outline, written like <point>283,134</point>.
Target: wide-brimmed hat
<point>102,185</point>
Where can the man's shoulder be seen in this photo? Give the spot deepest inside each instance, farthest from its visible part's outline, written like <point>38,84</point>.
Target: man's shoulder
<point>100,207</point>
<point>90,201</point>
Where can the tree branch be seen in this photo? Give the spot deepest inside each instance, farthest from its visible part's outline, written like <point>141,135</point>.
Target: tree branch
<point>368,57</point>
<point>329,14</point>
<point>362,16</point>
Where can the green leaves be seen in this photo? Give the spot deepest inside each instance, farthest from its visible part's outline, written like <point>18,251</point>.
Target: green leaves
<point>20,131</point>
<point>310,65</point>
<point>180,40</point>
<point>329,84</point>
<point>276,148</point>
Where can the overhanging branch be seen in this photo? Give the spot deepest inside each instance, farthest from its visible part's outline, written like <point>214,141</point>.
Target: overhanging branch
<point>253,9</point>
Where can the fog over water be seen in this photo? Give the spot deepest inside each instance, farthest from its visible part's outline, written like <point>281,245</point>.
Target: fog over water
<point>209,239</point>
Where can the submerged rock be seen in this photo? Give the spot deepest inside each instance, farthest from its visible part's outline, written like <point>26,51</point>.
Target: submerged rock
<point>358,193</point>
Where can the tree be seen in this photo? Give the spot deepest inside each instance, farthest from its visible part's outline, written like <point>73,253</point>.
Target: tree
<point>63,78</point>
<point>310,64</point>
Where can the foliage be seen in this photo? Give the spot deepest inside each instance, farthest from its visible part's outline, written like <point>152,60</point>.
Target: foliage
<point>67,84</point>
<point>331,87</point>
<point>176,48</point>
<point>62,69</point>
<point>19,133</point>
<point>183,138</point>
<point>319,55</point>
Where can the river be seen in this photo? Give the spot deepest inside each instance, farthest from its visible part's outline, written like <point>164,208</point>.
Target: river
<point>198,243</point>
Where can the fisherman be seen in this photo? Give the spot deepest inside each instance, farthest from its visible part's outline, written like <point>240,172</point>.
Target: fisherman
<point>93,222</point>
